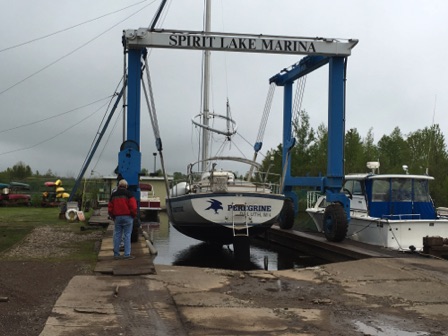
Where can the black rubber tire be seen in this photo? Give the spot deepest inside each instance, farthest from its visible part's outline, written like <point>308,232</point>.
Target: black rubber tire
<point>335,223</point>
<point>286,218</point>
<point>135,231</point>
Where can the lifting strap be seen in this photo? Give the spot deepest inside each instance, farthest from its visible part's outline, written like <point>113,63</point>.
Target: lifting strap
<point>298,99</point>
<point>149,97</point>
<point>262,128</point>
<point>264,118</point>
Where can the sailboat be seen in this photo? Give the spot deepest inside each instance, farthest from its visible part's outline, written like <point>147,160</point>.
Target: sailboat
<point>213,205</point>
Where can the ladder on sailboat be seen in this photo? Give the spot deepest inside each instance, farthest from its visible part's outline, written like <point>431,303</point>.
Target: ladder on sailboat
<point>239,219</point>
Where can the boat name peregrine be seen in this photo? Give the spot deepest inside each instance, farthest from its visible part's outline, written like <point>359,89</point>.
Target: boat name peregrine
<point>221,42</point>
<point>259,208</point>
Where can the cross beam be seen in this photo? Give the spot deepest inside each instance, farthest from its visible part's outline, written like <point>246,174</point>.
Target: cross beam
<point>271,44</point>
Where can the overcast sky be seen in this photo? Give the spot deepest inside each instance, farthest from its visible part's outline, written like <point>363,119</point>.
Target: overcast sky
<point>396,74</point>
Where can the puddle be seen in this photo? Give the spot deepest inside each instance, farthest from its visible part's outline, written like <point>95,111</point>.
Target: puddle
<point>384,330</point>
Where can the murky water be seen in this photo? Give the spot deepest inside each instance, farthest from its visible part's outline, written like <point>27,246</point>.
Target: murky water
<point>175,248</point>
<point>382,329</point>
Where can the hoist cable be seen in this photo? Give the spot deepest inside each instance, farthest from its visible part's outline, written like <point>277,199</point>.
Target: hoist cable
<point>266,112</point>
<point>298,98</point>
<point>150,102</point>
<point>153,117</point>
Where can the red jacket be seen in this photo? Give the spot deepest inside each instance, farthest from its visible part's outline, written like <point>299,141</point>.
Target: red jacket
<point>122,203</point>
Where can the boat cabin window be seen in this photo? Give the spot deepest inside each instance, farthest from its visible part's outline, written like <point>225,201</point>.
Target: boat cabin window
<point>421,191</point>
<point>401,190</point>
<point>380,190</point>
<point>354,186</point>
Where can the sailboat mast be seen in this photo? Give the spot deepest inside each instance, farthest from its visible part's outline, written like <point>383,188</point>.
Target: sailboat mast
<point>206,92</point>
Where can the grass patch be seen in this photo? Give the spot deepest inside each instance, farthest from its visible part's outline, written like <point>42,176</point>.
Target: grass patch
<point>29,215</point>
<point>18,222</point>
<point>10,235</point>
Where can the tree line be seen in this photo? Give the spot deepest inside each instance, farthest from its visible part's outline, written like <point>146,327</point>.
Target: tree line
<point>423,152</point>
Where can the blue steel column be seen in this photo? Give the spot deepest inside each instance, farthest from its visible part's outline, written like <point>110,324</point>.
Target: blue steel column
<point>287,127</point>
<point>288,143</point>
<point>129,158</point>
<point>134,78</point>
<point>336,133</point>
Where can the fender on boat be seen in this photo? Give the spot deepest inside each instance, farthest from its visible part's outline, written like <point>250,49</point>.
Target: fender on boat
<point>179,189</point>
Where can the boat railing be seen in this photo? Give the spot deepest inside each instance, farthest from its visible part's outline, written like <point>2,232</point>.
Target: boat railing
<point>402,216</point>
<point>213,180</point>
<point>442,211</point>
<point>221,184</point>
<point>312,197</point>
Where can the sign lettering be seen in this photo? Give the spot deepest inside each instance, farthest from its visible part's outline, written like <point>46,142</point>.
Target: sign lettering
<point>238,42</point>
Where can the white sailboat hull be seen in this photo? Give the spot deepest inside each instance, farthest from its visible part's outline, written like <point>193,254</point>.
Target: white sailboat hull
<point>218,217</point>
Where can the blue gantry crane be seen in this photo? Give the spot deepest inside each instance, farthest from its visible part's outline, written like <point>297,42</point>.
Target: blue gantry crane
<point>319,51</point>
<point>337,215</point>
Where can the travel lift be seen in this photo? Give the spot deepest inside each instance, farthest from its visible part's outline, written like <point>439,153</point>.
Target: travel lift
<point>337,213</point>
<point>320,50</point>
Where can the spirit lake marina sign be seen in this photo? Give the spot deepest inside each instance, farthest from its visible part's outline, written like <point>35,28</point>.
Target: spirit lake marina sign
<point>238,42</point>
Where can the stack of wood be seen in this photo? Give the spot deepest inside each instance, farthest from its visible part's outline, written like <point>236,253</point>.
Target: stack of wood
<point>436,246</point>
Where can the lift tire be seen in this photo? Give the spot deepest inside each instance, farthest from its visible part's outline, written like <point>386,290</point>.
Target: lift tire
<point>286,218</point>
<point>335,223</point>
<point>135,231</point>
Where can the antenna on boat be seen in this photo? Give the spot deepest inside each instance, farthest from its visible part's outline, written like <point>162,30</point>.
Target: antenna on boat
<point>406,169</point>
<point>431,134</point>
<point>373,165</point>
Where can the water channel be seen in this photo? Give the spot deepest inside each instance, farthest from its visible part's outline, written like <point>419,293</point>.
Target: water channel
<point>175,248</point>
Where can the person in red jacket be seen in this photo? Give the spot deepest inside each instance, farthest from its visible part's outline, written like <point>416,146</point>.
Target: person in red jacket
<point>122,209</point>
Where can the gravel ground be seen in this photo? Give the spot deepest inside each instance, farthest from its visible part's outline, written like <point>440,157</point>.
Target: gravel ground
<point>30,284</point>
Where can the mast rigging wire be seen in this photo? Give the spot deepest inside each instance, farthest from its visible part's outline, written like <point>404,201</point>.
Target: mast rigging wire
<point>70,53</point>
<point>71,27</point>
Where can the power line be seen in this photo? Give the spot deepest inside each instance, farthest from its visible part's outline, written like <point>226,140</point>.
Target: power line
<point>56,135</point>
<point>73,51</point>
<point>52,117</point>
<point>69,28</point>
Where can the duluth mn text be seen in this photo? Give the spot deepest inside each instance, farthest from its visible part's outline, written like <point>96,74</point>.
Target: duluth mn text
<point>249,44</point>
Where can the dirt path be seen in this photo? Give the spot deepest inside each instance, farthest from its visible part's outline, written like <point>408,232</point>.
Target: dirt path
<point>30,284</point>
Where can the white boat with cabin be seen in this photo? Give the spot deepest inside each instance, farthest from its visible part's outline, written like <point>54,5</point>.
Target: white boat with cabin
<point>394,211</point>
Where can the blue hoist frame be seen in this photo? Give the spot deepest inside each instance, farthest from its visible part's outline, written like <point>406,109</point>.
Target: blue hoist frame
<point>129,157</point>
<point>332,184</point>
<point>320,52</point>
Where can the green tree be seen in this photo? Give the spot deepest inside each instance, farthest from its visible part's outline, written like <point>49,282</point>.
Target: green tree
<point>354,152</point>
<point>393,152</point>
<point>49,173</point>
<point>19,171</point>
<point>272,162</point>
<point>429,156</point>
<point>178,176</point>
<point>304,135</point>
<point>370,150</point>
<point>318,151</point>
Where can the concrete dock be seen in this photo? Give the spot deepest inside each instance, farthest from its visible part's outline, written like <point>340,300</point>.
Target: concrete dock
<point>372,296</point>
